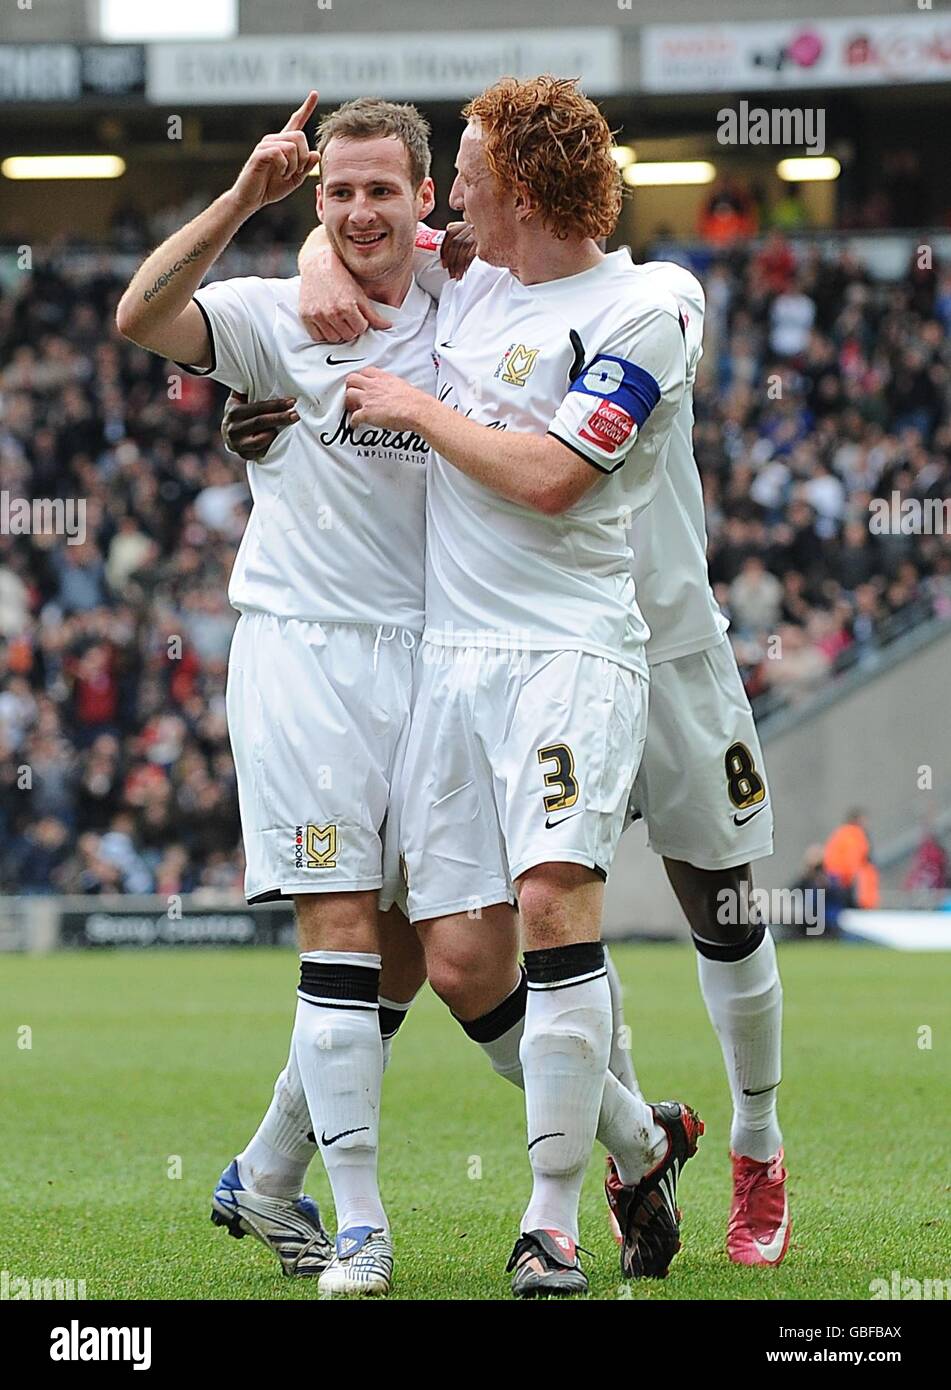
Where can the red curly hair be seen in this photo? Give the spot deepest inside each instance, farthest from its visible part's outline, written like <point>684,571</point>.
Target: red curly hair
<point>544,137</point>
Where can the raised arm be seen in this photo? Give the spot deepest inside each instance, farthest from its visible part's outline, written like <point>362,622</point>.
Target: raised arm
<point>157,310</point>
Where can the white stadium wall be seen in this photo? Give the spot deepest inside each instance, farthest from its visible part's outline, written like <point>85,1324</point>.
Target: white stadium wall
<point>72,21</point>
<point>868,743</point>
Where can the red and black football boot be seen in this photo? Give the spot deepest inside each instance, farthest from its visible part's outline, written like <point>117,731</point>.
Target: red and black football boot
<point>647,1213</point>
<point>546,1265</point>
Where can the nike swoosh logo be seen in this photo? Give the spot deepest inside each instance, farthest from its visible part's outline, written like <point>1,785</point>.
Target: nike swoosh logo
<point>559,1134</point>
<point>342,361</point>
<point>762,1092</point>
<point>448,345</point>
<point>771,1250</point>
<point>343,1133</point>
<point>738,821</point>
<point>550,824</point>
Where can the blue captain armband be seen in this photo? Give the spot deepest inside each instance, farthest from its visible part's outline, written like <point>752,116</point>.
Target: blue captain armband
<point>622,383</point>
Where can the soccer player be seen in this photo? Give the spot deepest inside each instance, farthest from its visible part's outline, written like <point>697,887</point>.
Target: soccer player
<point>561,375</point>
<point>702,792</point>
<point>701,788</point>
<point>329,584</point>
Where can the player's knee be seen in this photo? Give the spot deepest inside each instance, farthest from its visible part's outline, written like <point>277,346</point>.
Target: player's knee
<point>469,985</point>
<point>716,902</point>
<point>541,903</point>
<point>446,979</point>
<point>459,982</point>
<point>337,922</point>
<point>732,935</point>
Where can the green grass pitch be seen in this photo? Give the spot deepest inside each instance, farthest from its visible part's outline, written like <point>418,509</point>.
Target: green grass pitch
<point>139,1058</point>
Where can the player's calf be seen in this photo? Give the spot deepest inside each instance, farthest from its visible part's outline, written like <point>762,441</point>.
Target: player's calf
<point>740,984</point>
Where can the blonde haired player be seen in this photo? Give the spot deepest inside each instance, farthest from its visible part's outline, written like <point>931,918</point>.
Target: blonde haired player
<point>329,584</point>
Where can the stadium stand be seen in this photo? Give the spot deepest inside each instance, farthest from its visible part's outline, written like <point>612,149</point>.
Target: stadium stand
<point>113,650</point>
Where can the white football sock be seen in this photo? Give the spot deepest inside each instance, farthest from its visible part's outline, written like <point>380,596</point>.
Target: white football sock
<point>503,1053</point>
<point>340,1055</point>
<point>629,1132</point>
<point>626,1125</point>
<point>744,999</point>
<point>278,1155</point>
<point>621,1063</point>
<point>392,1014</point>
<point>564,1052</point>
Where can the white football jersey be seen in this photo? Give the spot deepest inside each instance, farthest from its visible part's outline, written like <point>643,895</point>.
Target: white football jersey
<point>337,531</point>
<point>669,542</point>
<point>598,361</point>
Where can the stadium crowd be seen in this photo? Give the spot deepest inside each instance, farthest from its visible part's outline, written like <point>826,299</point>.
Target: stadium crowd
<point>821,390</point>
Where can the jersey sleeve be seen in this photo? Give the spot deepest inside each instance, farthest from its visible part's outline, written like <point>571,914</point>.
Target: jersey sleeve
<point>239,317</point>
<point>613,396</point>
<point>691,301</point>
<point>431,275</point>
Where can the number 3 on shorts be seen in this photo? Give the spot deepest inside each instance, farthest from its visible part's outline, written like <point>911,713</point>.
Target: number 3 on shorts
<point>744,784</point>
<point>562,776</point>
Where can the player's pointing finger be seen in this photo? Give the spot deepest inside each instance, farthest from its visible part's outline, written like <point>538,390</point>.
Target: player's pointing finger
<point>303,113</point>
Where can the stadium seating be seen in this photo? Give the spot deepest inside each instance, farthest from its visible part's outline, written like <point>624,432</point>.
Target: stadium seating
<point>115,769</point>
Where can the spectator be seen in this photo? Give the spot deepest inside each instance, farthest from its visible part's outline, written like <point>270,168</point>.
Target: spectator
<point>117,848</point>
<point>728,215</point>
<point>775,264</point>
<point>81,575</point>
<point>791,318</point>
<point>40,856</point>
<point>755,596</point>
<point>798,666</point>
<point>788,213</point>
<point>826,894</point>
<point>14,603</point>
<point>17,711</point>
<point>95,691</point>
<point>855,563</point>
<point>847,858</point>
<point>129,550</point>
<point>928,871</point>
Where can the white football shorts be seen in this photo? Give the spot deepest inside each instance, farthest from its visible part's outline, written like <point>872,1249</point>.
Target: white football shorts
<point>318,715</point>
<point>702,788</point>
<point>514,759</point>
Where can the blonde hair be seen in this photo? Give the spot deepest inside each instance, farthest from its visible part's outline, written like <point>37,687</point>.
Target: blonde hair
<point>369,117</point>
